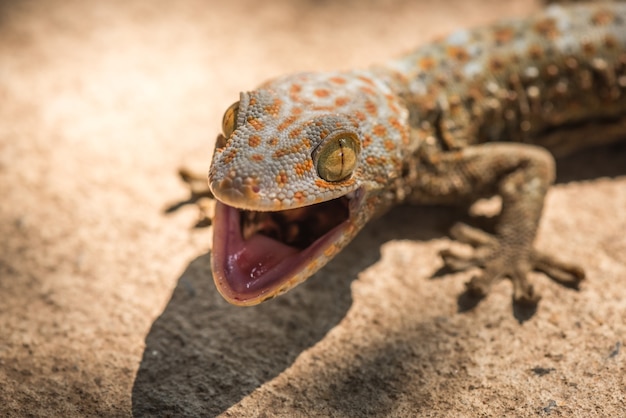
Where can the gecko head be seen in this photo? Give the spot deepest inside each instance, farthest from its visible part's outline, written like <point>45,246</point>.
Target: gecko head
<point>301,165</point>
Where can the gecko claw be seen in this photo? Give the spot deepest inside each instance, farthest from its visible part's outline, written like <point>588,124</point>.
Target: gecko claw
<point>566,274</point>
<point>498,261</point>
<point>483,246</point>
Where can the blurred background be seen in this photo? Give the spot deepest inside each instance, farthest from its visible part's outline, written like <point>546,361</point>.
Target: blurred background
<point>106,303</point>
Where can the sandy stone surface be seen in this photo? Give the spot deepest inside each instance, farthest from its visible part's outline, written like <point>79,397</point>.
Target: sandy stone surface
<point>107,306</point>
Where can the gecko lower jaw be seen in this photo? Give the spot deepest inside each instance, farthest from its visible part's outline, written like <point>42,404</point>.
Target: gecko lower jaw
<point>258,255</point>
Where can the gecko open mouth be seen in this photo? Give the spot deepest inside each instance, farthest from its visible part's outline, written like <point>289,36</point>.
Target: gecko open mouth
<point>258,255</point>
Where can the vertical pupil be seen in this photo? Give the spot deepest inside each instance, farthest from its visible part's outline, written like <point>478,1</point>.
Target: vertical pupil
<point>341,154</point>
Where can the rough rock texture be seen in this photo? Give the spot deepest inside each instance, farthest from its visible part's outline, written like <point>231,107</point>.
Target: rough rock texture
<point>107,306</point>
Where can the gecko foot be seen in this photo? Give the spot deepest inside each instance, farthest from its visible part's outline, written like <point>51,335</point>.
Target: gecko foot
<point>200,195</point>
<point>498,261</point>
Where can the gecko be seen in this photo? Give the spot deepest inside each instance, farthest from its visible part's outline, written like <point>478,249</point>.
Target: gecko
<point>304,161</point>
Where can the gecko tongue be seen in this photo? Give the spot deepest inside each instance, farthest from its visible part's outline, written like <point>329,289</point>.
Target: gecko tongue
<point>252,259</point>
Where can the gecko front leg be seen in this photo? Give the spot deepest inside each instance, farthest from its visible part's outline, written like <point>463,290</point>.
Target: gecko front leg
<point>199,195</point>
<point>521,175</point>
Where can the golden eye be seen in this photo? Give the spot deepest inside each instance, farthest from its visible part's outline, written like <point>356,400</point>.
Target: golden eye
<point>336,157</point>
<point>229,121</point>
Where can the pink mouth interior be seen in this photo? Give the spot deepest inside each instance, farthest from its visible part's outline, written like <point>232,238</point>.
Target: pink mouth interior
<point>253,261</point>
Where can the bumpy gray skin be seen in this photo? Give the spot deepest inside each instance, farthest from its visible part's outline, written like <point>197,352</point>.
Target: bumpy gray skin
<point>478,113</point>
<point>485,107</point>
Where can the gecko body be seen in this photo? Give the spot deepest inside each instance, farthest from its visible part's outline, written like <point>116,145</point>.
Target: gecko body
<point>306,160</point>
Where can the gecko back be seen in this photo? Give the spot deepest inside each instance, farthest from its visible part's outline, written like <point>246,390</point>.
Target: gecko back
<point>519,80</point>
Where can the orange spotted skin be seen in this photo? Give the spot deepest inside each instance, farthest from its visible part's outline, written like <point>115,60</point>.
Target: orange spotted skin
<point>467,116</point>
<point>306,109</point>
<point>517,79</point>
